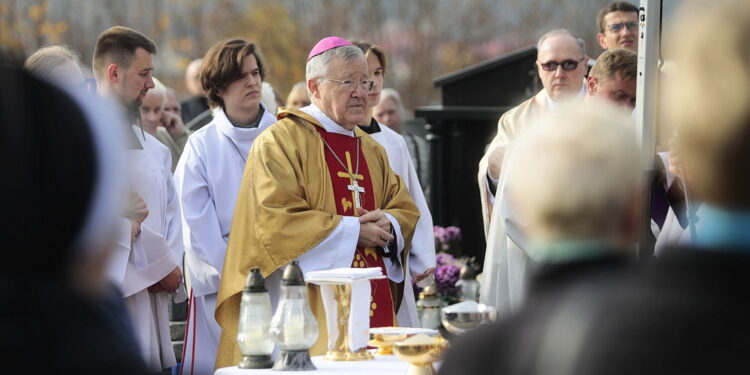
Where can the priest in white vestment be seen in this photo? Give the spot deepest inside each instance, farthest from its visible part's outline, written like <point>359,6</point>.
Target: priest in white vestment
<point>123,63</point>
<point>421,260</point>
<point>561,64</point>
<point>156,252</point>
<point>208,178</point>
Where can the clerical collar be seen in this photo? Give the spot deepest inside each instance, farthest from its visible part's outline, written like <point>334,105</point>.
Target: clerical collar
<point>252,124</point>
<point>372,129</point>
<point>328,124</point>
<point>551,104</point>
<point>723,228</point>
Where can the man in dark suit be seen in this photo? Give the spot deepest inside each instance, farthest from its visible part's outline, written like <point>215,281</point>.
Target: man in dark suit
<point>197,104</point>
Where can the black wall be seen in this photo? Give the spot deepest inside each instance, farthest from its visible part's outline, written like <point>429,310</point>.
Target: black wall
<point>473,98</point>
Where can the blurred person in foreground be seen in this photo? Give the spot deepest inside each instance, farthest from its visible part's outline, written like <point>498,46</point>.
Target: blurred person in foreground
<point>561,65</point>
<point>689,313</point>
<point>422,252</point>
<point>298,97</point>
<point>390,112</point>
<point>56,314</point>
<point>618,26</point>
<point>56,63</point>
<point>612,81</point>
<point>318,189</point>
<point>573,179</point>
<point>164,125</point>
<point>150,235</point>
<point>208,179</point>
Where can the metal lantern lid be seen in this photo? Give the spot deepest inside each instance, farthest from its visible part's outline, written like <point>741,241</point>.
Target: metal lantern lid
<point>255,282</point>
<point>292,275</point>
<point>429,292</point>
<point>468,272</point>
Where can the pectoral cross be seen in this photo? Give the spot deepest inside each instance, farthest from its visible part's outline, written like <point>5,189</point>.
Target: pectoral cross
<point>353,185</point>
<point>356,189</point>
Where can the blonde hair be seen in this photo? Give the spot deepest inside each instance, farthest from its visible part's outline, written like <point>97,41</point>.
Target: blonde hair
<point>46,59</point>
<point>708,99</point>
<point>574,172</point>
<point>613,61</point>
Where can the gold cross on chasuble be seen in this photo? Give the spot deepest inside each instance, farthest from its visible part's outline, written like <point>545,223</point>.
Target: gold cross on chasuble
<point>353,185</point>
<point>350,184</point>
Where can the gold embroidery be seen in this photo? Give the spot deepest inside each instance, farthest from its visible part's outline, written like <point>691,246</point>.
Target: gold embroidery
<point>346,204</point>
<point>371,252</point>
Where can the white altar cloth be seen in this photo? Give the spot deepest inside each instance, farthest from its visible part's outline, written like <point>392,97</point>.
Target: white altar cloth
<point>381,365</point>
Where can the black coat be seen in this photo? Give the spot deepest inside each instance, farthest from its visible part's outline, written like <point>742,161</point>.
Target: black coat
<point>687,312</point>
<point>52,329</point>
<point>192,107</point>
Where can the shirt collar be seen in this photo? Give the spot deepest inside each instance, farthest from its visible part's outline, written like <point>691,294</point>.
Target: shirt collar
<point>238,133</point>
<point>551,104</point>
<point>253,123</point>
<point>721,228</point>
<point>328,124</point>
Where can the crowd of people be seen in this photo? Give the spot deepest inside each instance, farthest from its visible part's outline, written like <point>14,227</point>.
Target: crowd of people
<point>162,200</point>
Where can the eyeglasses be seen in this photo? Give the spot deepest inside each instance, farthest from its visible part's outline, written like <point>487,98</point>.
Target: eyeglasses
<point>352,85</point>
<point>567,65</point>
<point>617,27</point>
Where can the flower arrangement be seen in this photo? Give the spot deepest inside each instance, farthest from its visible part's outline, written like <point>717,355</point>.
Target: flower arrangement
<point>448,267</point>
<point>447,240</point>
<point>446,276</point>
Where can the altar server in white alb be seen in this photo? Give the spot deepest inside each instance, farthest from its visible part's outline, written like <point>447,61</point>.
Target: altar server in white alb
<point>421,260</point>
<point>208,178</point>
<point>123,65</point>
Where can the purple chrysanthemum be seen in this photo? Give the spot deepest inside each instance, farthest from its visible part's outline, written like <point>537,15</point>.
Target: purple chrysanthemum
<point>442,259</point>
<point>446,277</point>
<point>453,233</point>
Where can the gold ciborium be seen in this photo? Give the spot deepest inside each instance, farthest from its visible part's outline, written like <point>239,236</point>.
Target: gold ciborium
<point>421,351</point>
<point>384,337</point>
<point>384,341</point>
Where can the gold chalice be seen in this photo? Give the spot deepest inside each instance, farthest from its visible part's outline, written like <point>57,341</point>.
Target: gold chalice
<point>384,337</point>
<point>421,351</point>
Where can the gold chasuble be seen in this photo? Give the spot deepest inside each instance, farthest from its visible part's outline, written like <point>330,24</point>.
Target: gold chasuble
<point>293,195</point>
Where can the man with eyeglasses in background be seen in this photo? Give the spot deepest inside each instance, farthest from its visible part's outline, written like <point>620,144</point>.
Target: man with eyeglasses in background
<point>561,65</point>
<point>319,190</point>
<point>618,26</point>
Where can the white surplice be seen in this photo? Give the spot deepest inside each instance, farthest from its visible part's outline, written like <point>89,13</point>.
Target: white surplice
<point>422,251</point>
<point>156,251</point>
<point>506,264</point>
<point>208,178</point>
